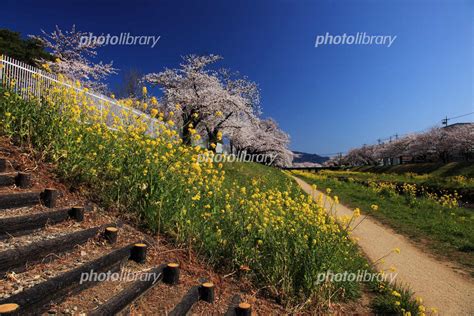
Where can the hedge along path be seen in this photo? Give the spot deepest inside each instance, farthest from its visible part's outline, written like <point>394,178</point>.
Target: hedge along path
<point>431,279</point>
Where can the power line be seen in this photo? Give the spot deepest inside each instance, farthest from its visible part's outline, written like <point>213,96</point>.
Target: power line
<point>446,120</point>
<point>452,118</point>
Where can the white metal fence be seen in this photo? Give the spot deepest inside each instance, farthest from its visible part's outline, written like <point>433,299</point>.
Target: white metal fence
<point>31,82</point>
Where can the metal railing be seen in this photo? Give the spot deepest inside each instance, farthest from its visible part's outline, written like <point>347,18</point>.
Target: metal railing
<point>31,82</point>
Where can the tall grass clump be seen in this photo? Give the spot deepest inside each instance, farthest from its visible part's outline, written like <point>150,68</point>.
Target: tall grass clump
<point>279,233</point>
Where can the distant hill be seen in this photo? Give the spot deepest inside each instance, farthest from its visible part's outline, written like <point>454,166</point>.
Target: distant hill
<point>301,159</point>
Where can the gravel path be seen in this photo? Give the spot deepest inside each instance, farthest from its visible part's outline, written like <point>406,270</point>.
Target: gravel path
<point>435,281</point>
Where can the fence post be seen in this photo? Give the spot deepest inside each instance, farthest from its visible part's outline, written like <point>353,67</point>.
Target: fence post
<point>1,69</point>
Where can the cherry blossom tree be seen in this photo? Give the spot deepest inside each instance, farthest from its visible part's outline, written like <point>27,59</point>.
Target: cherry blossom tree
<point>239,104</point>
<point>461,140</point>
<point>75,59</point>
<point>454,140</point>
<point>395,148</point>
<point>335,161</point>
<point>192,90</point>
<point>266,138</point>
<point>210,101</point>
<point>365,155</point>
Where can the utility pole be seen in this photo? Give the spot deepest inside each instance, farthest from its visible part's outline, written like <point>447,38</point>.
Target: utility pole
<point>445,121</point>
<point>396,136</point>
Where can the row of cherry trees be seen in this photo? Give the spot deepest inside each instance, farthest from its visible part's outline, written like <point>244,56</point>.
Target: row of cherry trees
<point>438,144</point>
<point>215,103</point>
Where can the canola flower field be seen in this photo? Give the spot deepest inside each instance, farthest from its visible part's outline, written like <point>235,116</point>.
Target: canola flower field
<point>392,184</point>
<point>263,224</point>
<point>453,175</point>
<point>444,227</point>
<point>462,181</point>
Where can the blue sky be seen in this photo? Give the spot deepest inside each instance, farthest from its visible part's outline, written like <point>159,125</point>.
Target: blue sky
<point>329,98</point>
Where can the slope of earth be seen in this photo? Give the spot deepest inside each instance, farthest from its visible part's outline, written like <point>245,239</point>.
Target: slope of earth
<point>160,299</point>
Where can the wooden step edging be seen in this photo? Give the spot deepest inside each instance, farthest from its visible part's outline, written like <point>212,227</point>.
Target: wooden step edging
<point>20,179</point>
<point>124,298</point>
<point>8,309</point>
<point>204,292</point>
<point>238,308</point>
<point>7,179</point>
<point>36,299</point>
<point>20,225</point>
<point>23,180</point>
<point>3,165</point>
<point>22,199</point>
<point>12,259</point>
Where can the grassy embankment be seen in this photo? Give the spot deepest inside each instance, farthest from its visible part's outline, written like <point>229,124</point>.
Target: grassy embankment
<point>446,229</point>
<point>431,168</point>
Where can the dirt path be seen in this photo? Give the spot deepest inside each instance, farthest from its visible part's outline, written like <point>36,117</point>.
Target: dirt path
<point>431,279</point>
